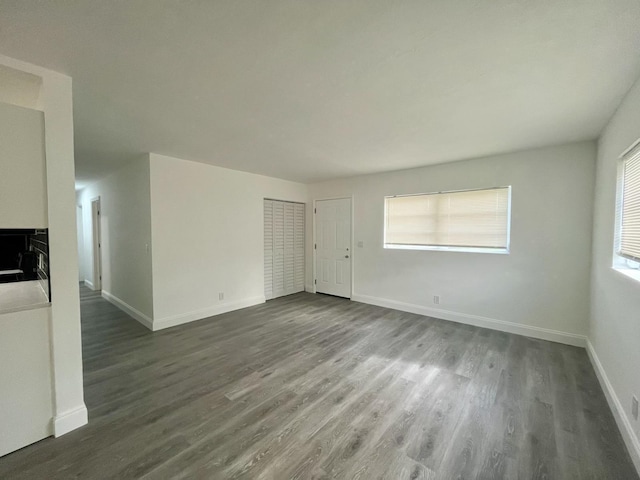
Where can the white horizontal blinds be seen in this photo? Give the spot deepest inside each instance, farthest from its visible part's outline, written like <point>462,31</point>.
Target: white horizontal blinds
<point>630,212</point>
<point>474,218</point>
<point>412,220</point>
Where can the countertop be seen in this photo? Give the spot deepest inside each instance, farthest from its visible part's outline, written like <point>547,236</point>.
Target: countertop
<point>18,296</point>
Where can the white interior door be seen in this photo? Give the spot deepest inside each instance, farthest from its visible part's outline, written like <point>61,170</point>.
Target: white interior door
<point>333,247</point>
<point>283,248</point>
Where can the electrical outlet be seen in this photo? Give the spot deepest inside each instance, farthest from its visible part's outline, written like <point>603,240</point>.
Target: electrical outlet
<point>360,244</point>
<point>436,299</point>
<point>634,407</point>
<point>221,296</point>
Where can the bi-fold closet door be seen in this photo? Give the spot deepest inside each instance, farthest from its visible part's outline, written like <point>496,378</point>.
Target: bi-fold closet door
<point>283,248</point>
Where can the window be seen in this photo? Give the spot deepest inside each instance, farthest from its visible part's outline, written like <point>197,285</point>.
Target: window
<point>627,252</point>
<point>468,221</point>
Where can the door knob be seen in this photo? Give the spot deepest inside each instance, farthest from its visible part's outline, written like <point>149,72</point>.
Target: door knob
<point>346,256</point>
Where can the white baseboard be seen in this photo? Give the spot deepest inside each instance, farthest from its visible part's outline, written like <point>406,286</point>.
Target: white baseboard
<point>128,309</point>
<point>70,420</point>
<point>172,321</point>
<point>309,288</point>
<point>624,424</point>
<point>89,284</point>
<point>478,321</point>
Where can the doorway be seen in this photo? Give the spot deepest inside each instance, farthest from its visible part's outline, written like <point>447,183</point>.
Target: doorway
<point>97,244</point>
<point>333,250</point>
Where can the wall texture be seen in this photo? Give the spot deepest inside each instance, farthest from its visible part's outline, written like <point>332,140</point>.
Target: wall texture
<point>541,288</point>
<point>615,299</point>
<point>207,228</point>
<point>126,237</point>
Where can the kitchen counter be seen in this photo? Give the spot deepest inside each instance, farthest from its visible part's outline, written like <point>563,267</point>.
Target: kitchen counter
<point>18,296</point>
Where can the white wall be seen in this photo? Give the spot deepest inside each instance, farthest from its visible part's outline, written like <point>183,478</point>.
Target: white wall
<point>541,288</point>
<point>55,99</point>
<point>207,229</point>
<point>126,237</point>
<point>615,299</point>
<point>20,88</point>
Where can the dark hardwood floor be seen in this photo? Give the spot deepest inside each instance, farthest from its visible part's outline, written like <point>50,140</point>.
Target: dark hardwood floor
<point>314,387</point>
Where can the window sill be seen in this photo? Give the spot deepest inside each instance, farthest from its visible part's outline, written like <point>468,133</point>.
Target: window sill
<point>629,272</point>
<point>499,251</point>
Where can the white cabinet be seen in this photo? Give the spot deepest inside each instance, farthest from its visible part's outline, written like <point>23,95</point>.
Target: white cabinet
<point>25,380</point>
<point>23,183</point>
<point>26,405</point>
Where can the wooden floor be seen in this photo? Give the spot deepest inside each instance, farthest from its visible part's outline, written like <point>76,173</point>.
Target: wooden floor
<point>311,387</point>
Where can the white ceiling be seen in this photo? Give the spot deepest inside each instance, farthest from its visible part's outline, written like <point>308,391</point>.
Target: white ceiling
<point>308,90</point>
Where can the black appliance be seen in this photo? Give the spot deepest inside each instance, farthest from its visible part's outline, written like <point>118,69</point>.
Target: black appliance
<point>28,263</point>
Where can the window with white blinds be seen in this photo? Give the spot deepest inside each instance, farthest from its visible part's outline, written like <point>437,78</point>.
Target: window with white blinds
<point>629,206</point>
<point>470,220</point>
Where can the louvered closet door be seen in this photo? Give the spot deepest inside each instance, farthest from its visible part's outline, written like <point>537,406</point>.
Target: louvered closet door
<point>283,248</point>
<point>298,229</point>
<point>289,243</point>
<point>278,249</point>
<point>268,249</point>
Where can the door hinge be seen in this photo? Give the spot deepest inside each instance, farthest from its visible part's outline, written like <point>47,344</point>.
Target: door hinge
<point>315,210</point>
<point>315,282</point>
<point>315,246</point>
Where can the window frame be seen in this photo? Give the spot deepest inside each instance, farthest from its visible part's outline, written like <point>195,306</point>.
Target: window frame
<point>450,248</point>
<point>625,264</point>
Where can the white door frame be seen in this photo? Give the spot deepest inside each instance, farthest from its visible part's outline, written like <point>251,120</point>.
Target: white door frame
<point>313,247</point>
<point>96,231</point>
<point>80,235</point>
